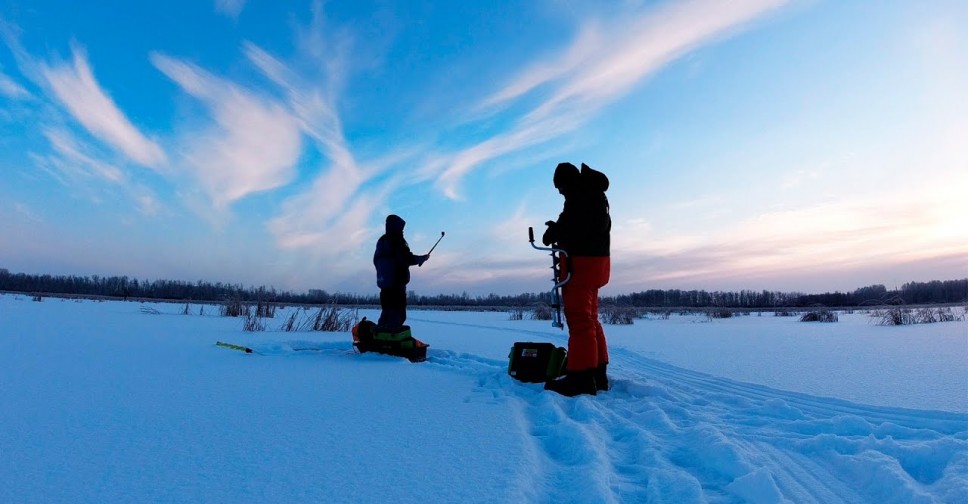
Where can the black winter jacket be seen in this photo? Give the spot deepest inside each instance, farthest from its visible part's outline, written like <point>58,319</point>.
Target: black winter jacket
<point>393,257</point>
<point>584,225</point>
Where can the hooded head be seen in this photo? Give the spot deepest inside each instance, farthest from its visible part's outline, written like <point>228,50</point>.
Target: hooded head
<point>566,176</point>
<point>395,224</point>
<point>592,179</point>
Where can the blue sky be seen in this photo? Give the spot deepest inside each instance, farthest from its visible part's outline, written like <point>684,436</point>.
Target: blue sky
<point>810,145</point>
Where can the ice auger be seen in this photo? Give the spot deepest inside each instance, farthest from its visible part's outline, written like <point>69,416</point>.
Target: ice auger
<point>556,255</point>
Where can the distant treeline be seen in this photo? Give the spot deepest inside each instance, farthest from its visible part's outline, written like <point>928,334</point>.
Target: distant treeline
<point>933,292</point>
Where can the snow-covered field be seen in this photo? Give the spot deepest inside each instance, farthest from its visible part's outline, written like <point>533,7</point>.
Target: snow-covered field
<point>102,403</point>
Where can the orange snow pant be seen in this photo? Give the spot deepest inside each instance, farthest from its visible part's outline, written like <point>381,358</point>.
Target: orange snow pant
<point>586,338</point>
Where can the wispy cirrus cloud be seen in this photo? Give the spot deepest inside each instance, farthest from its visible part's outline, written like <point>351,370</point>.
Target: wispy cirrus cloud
<point>465,161</point>
<point>341,200</point>
<point>586,46</point>
<point>231,8</point>
<point>312,105</point>
<point>93,166</point>
<point>253,145</point>
<point>11,89</point>
<point>639,47</point>
<point>70,150</point>
<point>76,88</point>
<point>78,166</point>
<point>605,61</point>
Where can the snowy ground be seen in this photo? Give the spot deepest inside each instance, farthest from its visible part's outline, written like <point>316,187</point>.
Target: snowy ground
<point>104,403</point>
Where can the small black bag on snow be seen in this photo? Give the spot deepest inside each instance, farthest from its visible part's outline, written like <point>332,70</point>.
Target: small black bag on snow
<point>536,362</point>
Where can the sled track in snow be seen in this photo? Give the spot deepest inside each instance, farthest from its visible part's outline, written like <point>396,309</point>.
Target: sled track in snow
<point>676,435</point>
<point>280,348</point>
<point>682,381</point>
<point>668,434</point>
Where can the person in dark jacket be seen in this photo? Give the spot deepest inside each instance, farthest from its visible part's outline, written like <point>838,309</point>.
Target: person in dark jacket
<point>392,260</point>
<point>583,231</point>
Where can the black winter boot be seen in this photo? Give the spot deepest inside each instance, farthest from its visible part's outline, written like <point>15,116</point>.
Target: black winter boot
<point>601,379</point>
<point>574,383</point>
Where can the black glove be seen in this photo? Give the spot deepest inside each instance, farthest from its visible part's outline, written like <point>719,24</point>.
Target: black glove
<point>551,234</point>
<point>422,259</point>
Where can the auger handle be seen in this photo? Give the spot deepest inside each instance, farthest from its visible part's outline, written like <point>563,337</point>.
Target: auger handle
<point>553,251</point>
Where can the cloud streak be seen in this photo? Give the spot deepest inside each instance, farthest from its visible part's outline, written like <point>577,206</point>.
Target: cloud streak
<point>603,63</point>
<point>253,145</point>
<point>340,201</point>
<point>76,88</point>
<point>12,90</point>
<point>70,150</point>
<point>78,167</point>
<point>643,46</point>
<point>464,162</point>
<point>231,8</point>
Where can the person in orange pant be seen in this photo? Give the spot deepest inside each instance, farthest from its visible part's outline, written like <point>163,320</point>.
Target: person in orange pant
<point>583,231</point>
